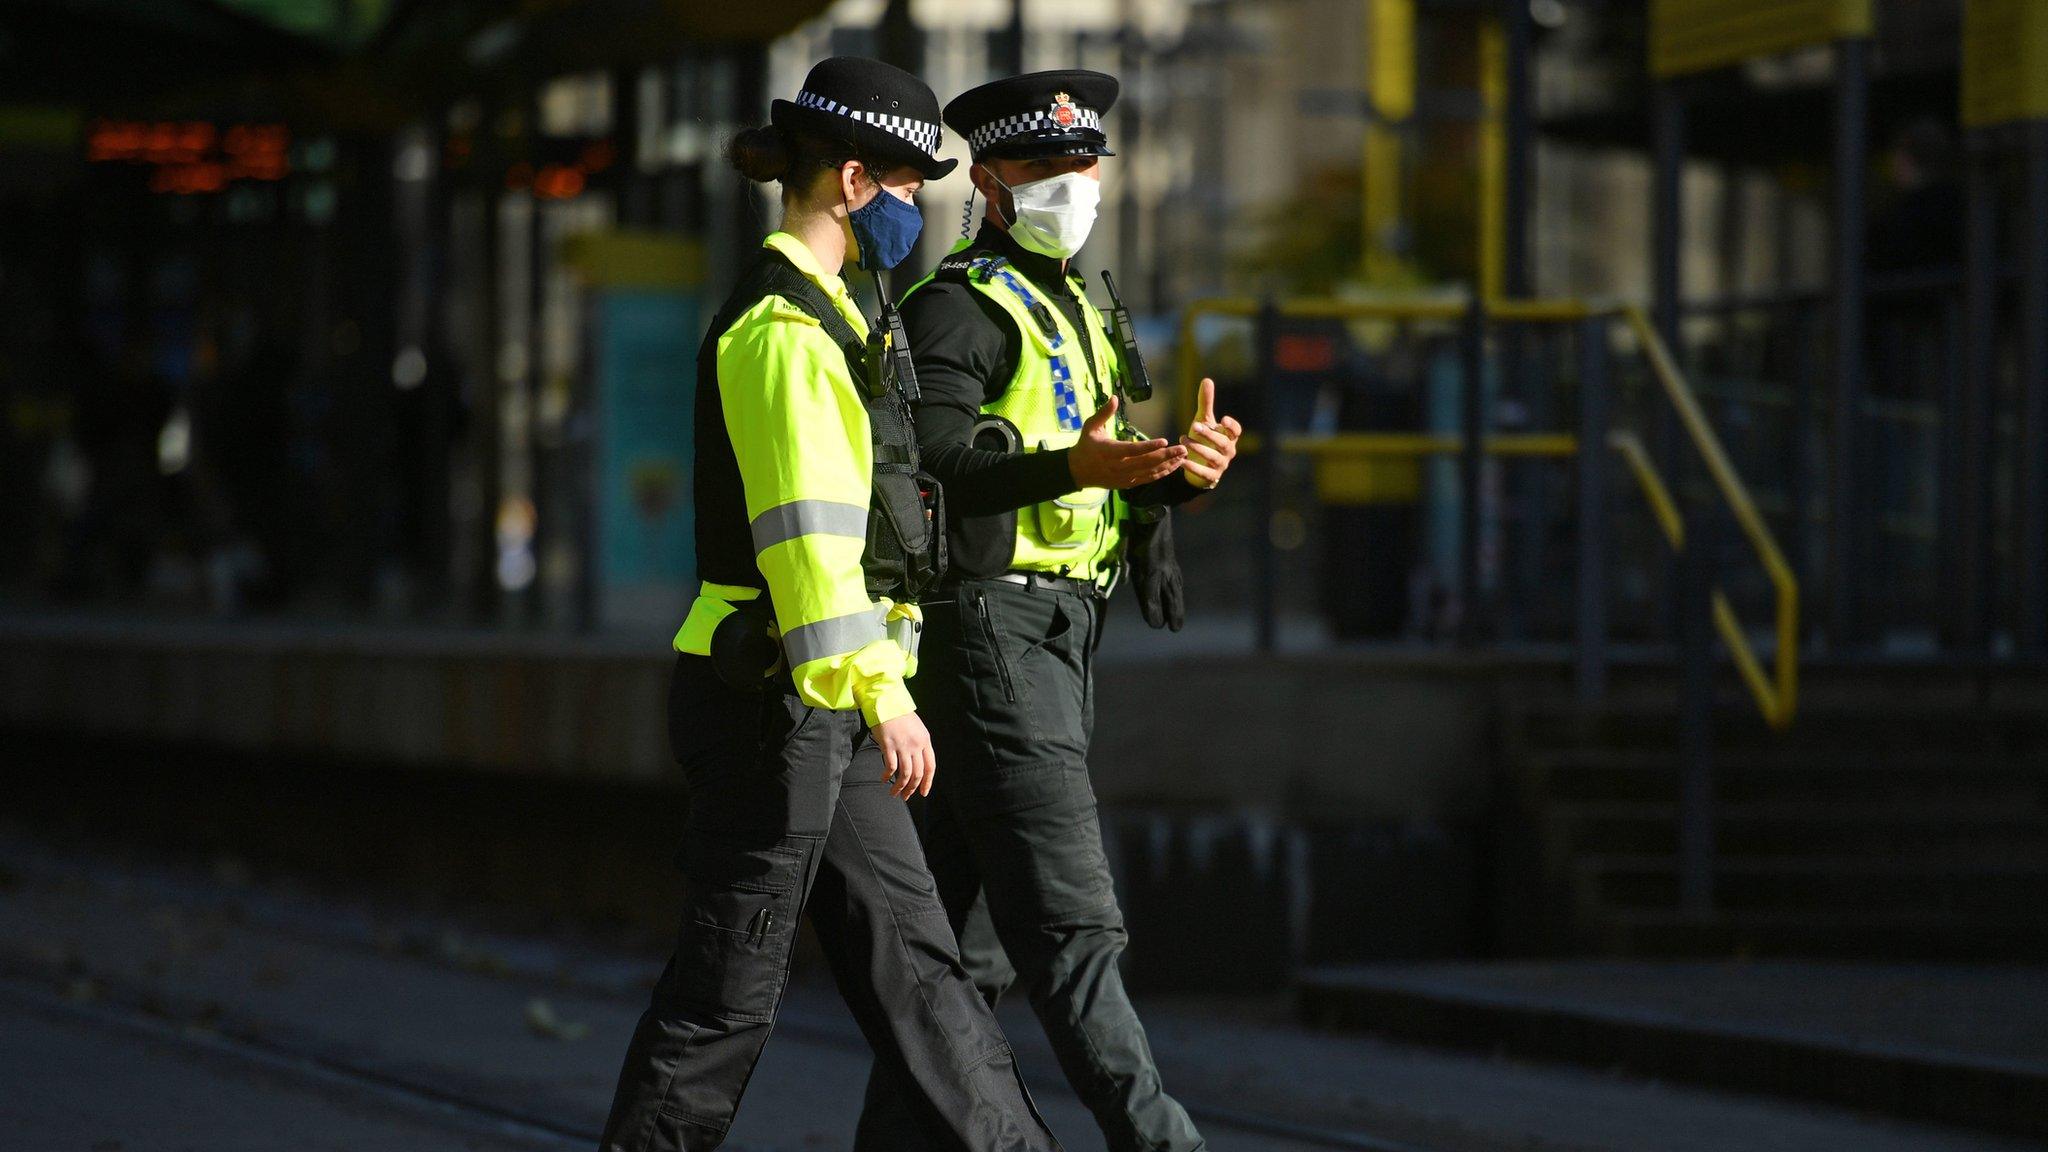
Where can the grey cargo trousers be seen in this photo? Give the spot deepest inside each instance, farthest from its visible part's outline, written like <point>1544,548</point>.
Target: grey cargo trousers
<point>1005,683</point>
<point>789,814</point>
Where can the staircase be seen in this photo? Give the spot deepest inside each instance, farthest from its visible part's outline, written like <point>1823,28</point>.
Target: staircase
<point>1883,824</point>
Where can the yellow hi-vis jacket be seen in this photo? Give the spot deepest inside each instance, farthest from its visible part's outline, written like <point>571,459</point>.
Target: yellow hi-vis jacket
<point>799,431</point>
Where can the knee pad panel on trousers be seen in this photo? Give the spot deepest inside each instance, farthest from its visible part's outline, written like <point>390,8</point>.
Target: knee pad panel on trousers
<point>1044,863</point>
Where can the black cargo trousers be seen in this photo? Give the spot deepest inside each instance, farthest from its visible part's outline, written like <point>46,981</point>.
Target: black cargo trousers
<point>1005,682</point>
<point>789,814</point>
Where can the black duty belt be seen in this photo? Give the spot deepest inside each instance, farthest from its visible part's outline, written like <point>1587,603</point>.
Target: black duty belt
<point>1051,583</point>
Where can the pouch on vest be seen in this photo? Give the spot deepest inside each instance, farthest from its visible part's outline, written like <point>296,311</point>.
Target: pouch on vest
<point>1073,520</point>
<point>906,552</point>
<point>745,649</point>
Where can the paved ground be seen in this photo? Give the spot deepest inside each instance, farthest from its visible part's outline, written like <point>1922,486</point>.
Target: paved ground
<point>166,1091</point>
<point>1975,1012</point>
<point>148,1005</point>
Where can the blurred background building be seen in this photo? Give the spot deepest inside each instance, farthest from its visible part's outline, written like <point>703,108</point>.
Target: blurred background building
<point>345,400</point>
<point>353,310</point>
<point>319,288</point>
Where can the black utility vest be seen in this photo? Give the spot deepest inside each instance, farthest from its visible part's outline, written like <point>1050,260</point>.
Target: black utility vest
<point>906,545</point>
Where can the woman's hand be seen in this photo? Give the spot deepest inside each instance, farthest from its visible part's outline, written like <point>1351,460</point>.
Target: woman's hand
<point>1211,443</point>
<point>907,757</point>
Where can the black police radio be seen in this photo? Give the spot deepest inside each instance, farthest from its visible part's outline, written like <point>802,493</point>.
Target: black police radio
<point>888,353</point>
<point>1137,384</point>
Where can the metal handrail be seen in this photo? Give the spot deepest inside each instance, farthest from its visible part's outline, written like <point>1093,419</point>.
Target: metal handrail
<point>1776,700</point>
<point>1414,444</point>
<point>1776,691</point>
<point>1307,307</point>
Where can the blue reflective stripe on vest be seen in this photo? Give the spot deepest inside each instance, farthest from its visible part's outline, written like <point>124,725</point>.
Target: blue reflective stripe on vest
<point>1068,406</point>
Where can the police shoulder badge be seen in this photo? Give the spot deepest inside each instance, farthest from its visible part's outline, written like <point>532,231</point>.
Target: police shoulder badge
<point>1063,112</point>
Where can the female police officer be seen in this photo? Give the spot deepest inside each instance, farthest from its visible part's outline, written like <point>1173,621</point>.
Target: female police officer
<point>788,710</point>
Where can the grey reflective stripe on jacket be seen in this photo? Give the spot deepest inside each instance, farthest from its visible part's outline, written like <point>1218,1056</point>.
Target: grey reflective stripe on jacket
<point>834,637</point>
<point>808,518</point>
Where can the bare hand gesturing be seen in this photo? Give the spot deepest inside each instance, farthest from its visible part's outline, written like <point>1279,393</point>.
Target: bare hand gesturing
<point>1100,460</point>
<point>1211,443</point>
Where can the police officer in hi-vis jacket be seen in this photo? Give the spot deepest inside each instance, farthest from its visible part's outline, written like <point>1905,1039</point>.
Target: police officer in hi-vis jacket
<point>1052,500</point>
<point>816,530</point>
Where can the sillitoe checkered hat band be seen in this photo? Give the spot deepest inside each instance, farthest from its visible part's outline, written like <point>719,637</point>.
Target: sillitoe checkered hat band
<point>996,131</point>
<point>919,134</point>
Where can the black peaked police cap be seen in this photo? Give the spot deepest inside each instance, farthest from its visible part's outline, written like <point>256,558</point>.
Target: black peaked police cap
<point>1039,114</point>
<point>889,115</point>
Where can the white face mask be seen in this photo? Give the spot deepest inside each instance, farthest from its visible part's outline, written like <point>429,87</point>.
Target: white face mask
<point>1055,215</point>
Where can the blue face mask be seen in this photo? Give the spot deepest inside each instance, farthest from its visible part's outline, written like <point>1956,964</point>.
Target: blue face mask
<point>886,229</point>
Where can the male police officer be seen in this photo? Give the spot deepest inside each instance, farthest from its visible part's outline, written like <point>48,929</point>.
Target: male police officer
<point>1051,497</point>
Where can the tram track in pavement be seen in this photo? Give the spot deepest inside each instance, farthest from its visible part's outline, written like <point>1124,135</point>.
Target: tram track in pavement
<point>137,1010</point>
<point>460,1110</point>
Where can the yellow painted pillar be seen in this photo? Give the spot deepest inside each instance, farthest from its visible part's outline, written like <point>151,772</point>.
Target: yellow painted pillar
<point>1390,88</point>
<point>2005,62</point>
<point>1492,145</point>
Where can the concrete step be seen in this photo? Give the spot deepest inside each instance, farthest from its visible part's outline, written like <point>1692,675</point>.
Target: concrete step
<point>1617,1017</point>
<point>1826,687</point>
<point>1947,830</point>
<point>1868,726</point>
<point>1822,884</point>
<point>1892,934</point>
<point>1916,776</point>
<point>1896,818</point>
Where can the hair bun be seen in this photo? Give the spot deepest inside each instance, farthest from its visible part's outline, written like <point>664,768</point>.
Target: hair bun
<point>761,154</point>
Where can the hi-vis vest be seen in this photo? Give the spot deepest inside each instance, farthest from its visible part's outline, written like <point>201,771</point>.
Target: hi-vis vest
<point>1062,378</point>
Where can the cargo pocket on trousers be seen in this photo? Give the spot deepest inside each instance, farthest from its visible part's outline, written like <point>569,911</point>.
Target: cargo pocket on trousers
<point>739,923</point>
<point>1057,640</point>
<point>1051,662</point>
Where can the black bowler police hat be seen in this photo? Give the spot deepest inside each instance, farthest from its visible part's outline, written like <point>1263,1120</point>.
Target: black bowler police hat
<point>1035,115</point>
<point>888,114</point>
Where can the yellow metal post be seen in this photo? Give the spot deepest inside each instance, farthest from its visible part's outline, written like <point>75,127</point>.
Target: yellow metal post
<point>2005,62</point>
<point>1390,87</point>
<point>1493,160</point>
<point>1688,36</point>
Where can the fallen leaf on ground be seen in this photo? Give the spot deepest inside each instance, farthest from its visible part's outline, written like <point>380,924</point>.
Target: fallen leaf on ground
<point>542,1021</point>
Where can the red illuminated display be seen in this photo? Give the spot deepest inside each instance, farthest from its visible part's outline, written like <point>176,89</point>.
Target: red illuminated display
<point>558,182</point>
<point>561,181</point>
<point>192,156</point>
<point>545,179</point>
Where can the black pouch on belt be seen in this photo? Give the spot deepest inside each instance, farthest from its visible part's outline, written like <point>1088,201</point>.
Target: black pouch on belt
<point>745,650</point>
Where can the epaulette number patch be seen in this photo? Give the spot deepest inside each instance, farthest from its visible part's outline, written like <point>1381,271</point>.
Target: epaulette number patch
<point>793,314</point>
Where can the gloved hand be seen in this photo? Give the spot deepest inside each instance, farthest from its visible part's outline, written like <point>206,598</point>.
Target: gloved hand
<point>1155,570</point>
